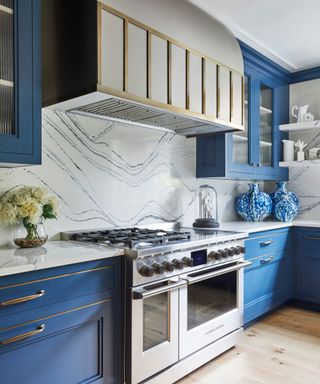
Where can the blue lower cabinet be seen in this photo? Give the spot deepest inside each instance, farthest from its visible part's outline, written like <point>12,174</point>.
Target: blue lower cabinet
<point>307,265</point>
<point>268,281</point>
<point>76,341</point>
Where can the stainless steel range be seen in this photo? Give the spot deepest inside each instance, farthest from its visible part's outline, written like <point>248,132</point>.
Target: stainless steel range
<point>185,296</point>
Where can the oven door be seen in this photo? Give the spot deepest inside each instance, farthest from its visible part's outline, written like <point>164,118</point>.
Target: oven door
<point>154,328</point>
<point>211,306</point>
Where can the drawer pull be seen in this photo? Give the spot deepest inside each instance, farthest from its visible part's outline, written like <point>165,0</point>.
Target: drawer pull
<point>14,339</point>
<point>311,238</point>
<point>266,261</point>
<point>266,243</point>
<point>23,299</point>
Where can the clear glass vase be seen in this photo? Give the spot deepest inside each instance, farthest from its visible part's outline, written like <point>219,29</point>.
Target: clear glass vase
<point>27,235</point>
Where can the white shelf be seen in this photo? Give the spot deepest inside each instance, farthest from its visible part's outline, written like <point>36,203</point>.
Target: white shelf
<point>242,139</point>
<point>300,126</point>
<point>262,109</point>
<point>6,83</point>
<point>304,163</point>
<point>6,9</point>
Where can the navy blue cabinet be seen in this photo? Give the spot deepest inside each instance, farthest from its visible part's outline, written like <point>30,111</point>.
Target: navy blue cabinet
<point>62,325</point>
<point>255,152</point>
<point>268,281</point>
<point>307,264</point>
<point>20,82</point>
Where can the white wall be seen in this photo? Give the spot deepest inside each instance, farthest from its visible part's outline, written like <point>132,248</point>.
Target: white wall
<point>109,175</point>
<point>306,181</point>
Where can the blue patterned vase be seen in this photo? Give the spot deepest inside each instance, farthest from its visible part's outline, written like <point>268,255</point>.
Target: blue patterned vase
<point>254,205</point>
<point>285,204</point>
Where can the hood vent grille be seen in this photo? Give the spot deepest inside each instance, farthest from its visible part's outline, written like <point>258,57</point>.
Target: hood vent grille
<point>133,113</point>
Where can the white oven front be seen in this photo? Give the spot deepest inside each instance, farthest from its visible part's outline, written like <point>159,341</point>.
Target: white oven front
<point>210,306</point>
<point>154,328</point>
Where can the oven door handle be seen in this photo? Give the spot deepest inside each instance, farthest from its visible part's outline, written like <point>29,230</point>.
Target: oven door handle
<point>142,293</point>
<point>205,276</point>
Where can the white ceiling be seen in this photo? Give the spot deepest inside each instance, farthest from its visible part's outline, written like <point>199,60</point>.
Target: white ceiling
<point>286,31</point>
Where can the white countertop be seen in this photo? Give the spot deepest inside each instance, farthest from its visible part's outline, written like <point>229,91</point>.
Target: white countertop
<point>249,227</point>
<point>53,254</point>
<point>59,253</point>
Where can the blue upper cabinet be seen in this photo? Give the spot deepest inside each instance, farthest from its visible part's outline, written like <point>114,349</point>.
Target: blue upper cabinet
<point>255,152</point>
<point>20,82</point>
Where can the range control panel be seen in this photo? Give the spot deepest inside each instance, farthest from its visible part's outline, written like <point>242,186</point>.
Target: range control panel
<point>153,268</point>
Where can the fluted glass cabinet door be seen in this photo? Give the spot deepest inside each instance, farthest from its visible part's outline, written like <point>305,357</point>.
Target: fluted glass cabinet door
<point>240,145</point>
<point>266,126</point>
<point>7,89</point>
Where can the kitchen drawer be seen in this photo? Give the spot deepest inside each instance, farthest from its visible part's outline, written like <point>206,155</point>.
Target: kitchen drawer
<point>266,259</point>
<point>307,238</point>
<point>32,290</point>
<point>269,241</point>
<point>77,346</point>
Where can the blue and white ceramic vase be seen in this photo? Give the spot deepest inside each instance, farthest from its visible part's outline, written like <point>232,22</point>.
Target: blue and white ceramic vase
<point>254,205</point>
<point>285,204</point>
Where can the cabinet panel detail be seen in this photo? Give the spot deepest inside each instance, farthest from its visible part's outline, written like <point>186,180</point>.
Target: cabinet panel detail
<point>195,83</point>
<point>112,51</point>
<point>223,105</point>
<point>236,112</point>
<point>159,69</point>
<point>210,88</point>
<point>178,76</point>
<point>137,61</point>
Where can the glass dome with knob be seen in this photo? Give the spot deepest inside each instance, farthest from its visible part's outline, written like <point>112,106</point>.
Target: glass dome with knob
<point>208,208</point>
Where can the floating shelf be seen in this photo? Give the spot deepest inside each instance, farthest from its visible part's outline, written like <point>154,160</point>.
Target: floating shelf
<point>6,83</point>
<point>300,126</point>
<point>6,9</point>
<point>304,163</point>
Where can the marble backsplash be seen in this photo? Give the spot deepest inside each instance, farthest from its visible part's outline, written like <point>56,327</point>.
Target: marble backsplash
<point>106,174</point>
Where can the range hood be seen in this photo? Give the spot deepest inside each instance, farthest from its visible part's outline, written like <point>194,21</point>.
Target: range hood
<point>147,77</point>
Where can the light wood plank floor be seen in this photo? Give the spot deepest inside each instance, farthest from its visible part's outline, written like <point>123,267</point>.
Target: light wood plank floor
<point>283,348</point>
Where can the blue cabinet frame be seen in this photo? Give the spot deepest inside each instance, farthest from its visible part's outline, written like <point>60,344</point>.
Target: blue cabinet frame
<point>214,153</point>
<point>24,147</point>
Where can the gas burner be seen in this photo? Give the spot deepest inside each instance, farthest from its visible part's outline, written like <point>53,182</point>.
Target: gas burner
<point>133,237</point>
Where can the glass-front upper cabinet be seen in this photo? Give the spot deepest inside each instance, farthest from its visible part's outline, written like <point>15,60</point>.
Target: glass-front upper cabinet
<point>20,85</point>
<point>266,126</point>
<point>7,67</point>
<point>240,140</point>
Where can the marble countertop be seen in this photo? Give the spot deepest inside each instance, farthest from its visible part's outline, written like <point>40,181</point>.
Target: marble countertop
<point>53,254</point>
<point>244,226</point>
<point>59,253</point>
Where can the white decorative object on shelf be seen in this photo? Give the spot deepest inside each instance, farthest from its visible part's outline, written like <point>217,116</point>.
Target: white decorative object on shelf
<point>288,150</point>
<point>300,154</point>
<point>314,153</point>
<point>307,117</point>
<point>302,110</point>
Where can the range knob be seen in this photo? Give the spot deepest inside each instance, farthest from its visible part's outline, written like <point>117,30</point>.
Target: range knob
<point>237,250</point>
<point>214,255</point>
<point>169,267</point>
<point>242,249</point>
<point>187,261</point>
<point>178,264</point>
<point>226,252</point>
<point>146,271</point>
<point>232,251</point>
<point>158,268</point>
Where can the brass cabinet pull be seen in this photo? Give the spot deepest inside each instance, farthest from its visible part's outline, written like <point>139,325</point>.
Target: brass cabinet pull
<point>268,260</point>
<point>23,299</point>
<point>265,243</point>
<point>311,238</point>
<point>14,339</point>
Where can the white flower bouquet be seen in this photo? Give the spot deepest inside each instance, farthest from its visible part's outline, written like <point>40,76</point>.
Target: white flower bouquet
<point>29,206</point>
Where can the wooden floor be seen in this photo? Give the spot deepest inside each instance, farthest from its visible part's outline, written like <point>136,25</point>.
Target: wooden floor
<point>283,348</point>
